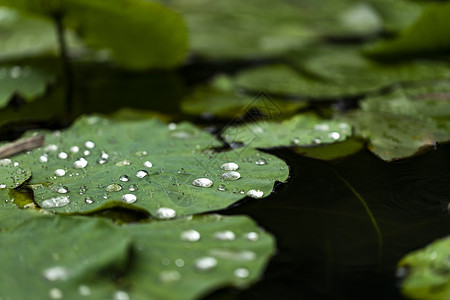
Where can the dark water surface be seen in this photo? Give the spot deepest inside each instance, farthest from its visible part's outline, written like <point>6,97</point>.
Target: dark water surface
<point>328,247</point>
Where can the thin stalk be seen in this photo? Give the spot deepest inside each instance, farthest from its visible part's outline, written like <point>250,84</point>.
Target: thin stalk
<point>65,62</point>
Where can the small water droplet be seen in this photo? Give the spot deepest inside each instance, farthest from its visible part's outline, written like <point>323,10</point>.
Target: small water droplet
<point>141,174</point>
<point>74,149</point>
<point>172,126</point>
<point>165,261</point>
<point>43,158</point>
<point>124,178</point>
<point>82,189</point>
<point>261,162</point>
<point>51,148</point>
<point>221,187</point>
<point>89,144</point>
<point>62,155</point>
<point>226,235</point>
<point>121,295</point>
<point>84,290</point>
<point>202,182</point>
<point>62,190</point>
<point>88,200</point>
<point>205,263</point>
<point>229,176</point>
<point>86,152</point>
<point>56,273</point>
<point>295,141</point>
<point>55,293</point>
<point>241,273</point>
<point>15,72</point>
<point>104,155</point>
<point>168,276</point>
<point>129,198</point>
<point>15,164</point>
<point>165,213</point>
<point>133,187</point>
<point>148,164</point>
<point>124,162</point>
<point>255,193</point>
<point>56,202</point>
<point>334,135</point>
<point>179,262</point>
<point>141,153</point>
<point>60,172</point>
<point>317,141</point>
<point>252,236</point>
<point>101,161</point>
<point>229,166</point>
<point>80,163</point>
<point>114,187</point>
<point>190,235</point>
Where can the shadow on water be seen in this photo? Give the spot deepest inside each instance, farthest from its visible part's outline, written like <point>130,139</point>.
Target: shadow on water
<point>328,247</point>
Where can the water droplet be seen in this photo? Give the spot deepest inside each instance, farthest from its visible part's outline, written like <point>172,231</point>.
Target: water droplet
<point>168,276</point>
<point>261,162</point>
<point>114,187</point>
<point>86,152</point>
<point>322,127</point>
<point>221,187</point>
<point>5,162</point>
<point>252,236</point>
<point>179,262</point>
<point>104,155</point>
<point>101,161</point>
<point>88,200</point>
<point>82,189</point>
<point>317,141</point>
<point>15,164</point>
<point>74,149</point>
<point>133,188</point>
<point>141,174</point>
<point>55,293</point>
<point>165,261</point>
<point>205,263</point>
<point>165,213</point>
<point>233,175</point>
<point>141,153</point>
<point>245,255</point>
<point>62,155</point>
<point>172,126</point>
<point>226,235</point>
<point>121,295</point>
<point>229,166</point>
<point>60,172</point>
<point>89,144</point>
<point>62,190</point>
<point>80,163</point>
<point>56,273</point>
<point>241,273</point>
<point>124,162</point>
<point>129,198</point>
<point>124,178</point>
<point>84,290</point>
<point>334,135</point>
<point>43,158</point>
<point>15,72</point>
<point>148,164</point>
<point>202,182</point>
<point>51,148</point>
<point>56,202</point>
<point>2,186</point>
<point>255,193</point>
<point>295,141</point>
<point>190,235</point>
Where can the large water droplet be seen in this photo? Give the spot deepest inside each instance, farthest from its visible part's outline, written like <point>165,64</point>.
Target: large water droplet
<point>60,172</point>
<point>141,174</point>
<point>43,158</point>
<point>124,178</point>
<point>74,149</point>
<point>114,187</point>
<point>62,155</point>
<point>334,135</point>
<point>241,273</point>
<point>56,202</point>
<point>202,182</point>
<point>80,163</point>
<point>129,198</point>
<point>205,263</point>
<point>168,276</point>
<point>226,235</point>
<point>229,176</point>
<point>165,213</point>
<point>190,235</point>
<point>56,273</point>
<point>261,162</point>
<point>148,164</point>
<point>255,193</point>
<point>229,166</point>
<point>89,144</point>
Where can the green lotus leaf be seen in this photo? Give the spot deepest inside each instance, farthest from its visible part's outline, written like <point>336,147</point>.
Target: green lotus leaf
<point>426,272</point>
<point>219,99</point>
<point>300,130</point>
<point>147,165</point>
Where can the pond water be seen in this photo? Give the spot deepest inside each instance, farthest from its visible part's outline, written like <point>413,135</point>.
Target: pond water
<point>328,247</point>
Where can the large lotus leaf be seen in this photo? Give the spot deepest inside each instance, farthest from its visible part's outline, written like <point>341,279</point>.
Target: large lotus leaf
<point>428,35</point>
<point>50,257</point>
<point>12,174</point>
<point>99,163</point>
<point>186,259</point>
<point>426,272</point>
<point>138,34</point>
<point>24,80</point>
<point>301,130</point>
<point>219,99</point>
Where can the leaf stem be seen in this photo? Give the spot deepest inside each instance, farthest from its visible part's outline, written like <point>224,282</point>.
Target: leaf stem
<point>21,145</point>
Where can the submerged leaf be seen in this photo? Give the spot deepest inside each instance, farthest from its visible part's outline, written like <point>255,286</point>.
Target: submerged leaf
<point>147,165</point>
<point>426,272</point>
<point>301,130</point>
